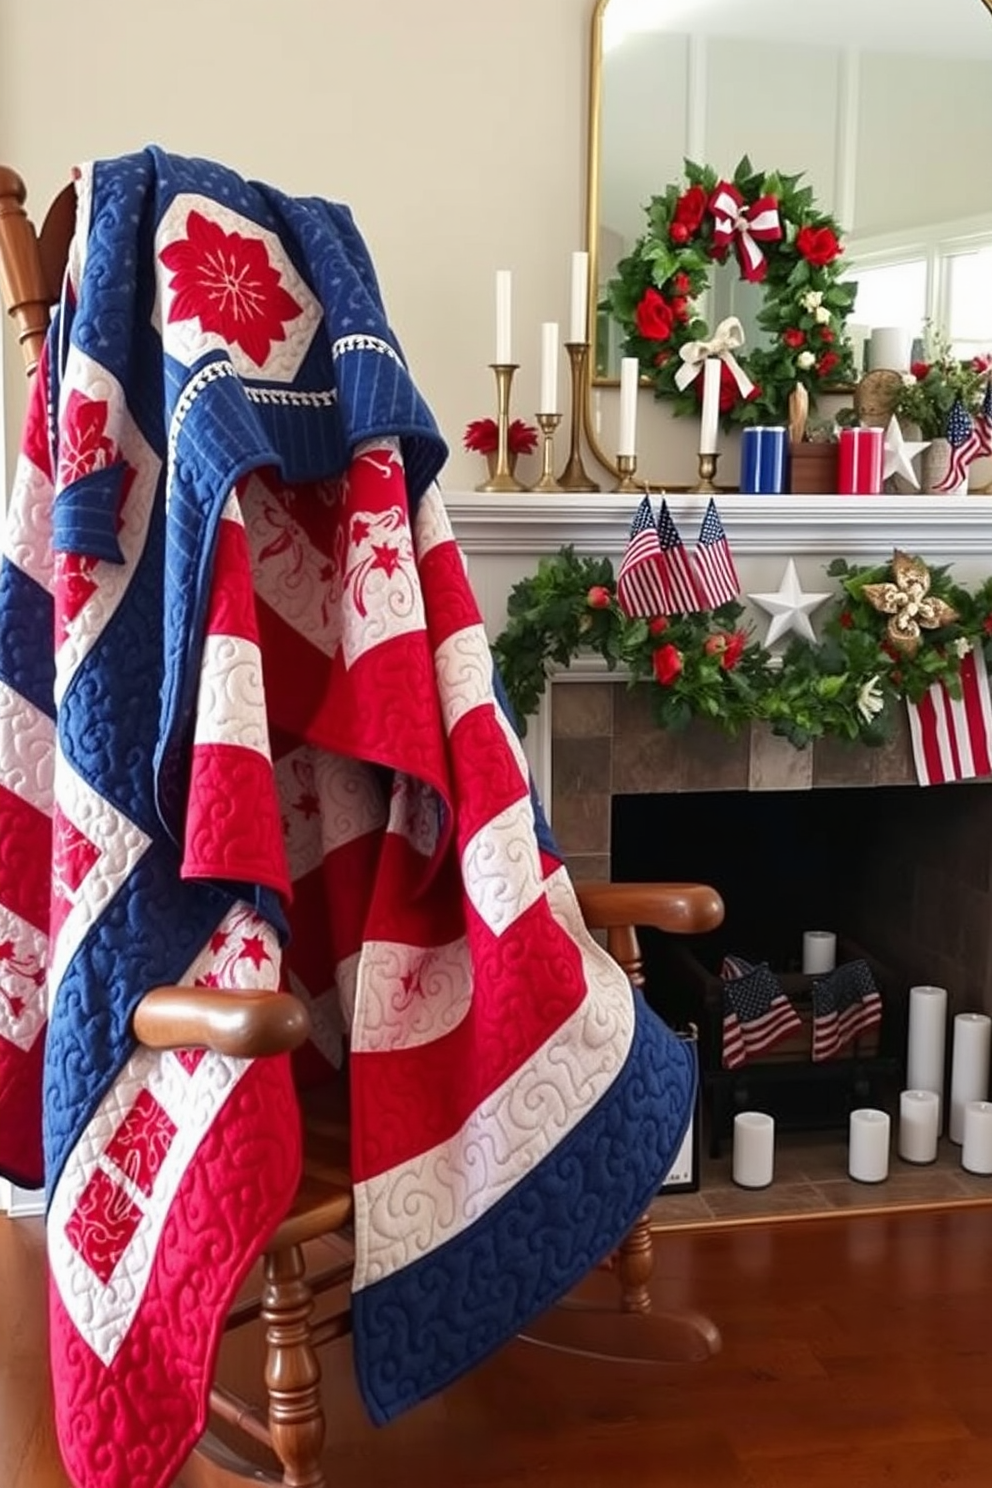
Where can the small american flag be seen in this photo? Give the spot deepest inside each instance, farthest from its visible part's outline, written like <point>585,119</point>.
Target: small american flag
<point>680,581</point>
<point>983,424</point>
<point>964,442</point>
<point>845,1003</point>
<point>952,737</point>
<point>716,577</point>
<point>756,1012</point>
<point>641,585</point>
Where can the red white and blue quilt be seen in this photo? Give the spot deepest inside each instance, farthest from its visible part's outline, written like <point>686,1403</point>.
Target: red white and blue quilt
<point>250,736</point>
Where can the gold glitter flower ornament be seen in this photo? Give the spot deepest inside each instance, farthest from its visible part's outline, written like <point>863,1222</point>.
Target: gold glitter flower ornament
<point>909,604</point>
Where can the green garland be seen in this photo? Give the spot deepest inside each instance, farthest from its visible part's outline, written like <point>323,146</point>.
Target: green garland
<point>806,303</point>
<point>849,686</point>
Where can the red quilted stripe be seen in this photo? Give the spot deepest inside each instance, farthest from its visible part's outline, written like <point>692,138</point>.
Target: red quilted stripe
<point>408,1100</point>
<point>232,600</point>
<point>233,822</point>
<point>25,859</point>
<point>449,603</point>
<point>330,906</point>
<point>34,434</point>
<point>487,774</point>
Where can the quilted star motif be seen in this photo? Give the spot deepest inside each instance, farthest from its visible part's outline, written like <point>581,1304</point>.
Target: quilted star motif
<point>909,603</point>
<point>227,282</point>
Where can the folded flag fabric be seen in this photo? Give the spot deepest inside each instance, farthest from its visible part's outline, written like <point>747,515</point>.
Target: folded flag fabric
<point>952,737</point>
<point>846,1003</point>
<point>713,566</point>
<point>757,1014</point>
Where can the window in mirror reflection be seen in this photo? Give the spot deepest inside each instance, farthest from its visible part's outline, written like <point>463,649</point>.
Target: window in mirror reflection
<point>893,294</point>
<point>969,300</point>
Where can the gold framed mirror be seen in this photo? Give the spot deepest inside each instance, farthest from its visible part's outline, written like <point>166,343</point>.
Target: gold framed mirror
<point>847,95</point>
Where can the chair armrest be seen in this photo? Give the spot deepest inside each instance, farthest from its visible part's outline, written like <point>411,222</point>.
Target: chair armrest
<point>679,908</point>
<point>243,1024</point>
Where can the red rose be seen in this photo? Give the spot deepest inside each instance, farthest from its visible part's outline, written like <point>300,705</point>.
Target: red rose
<point>667,663</point>
<point>845,620</point>
<point>981,364</point>
<point>794,337</point>
<point>679,233</point>
<point>818,245</point>
<point>682,285</point>
<point>826,334</point>
<point>598,598</point>
<point>919,370</point>
<point>662,358</point>
<point>654,317</point>
<point>727,646</point>
<point>658,625</point>
<point>690,207</point>
<point>827,363</point>
<point>680,308</point>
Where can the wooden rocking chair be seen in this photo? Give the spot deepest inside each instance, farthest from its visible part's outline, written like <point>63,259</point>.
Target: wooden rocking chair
<point>258,1024</point>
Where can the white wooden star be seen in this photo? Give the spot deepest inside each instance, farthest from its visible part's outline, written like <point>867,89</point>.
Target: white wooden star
<point>900,453</point>
<point>789,607</point>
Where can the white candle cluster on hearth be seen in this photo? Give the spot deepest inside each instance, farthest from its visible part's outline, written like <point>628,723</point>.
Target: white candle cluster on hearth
<point>630,373</point>
<point>970,1046</point>
<point>927,1041</point>
<point>868,1145</point>
<point>754,1149</point>
<point>819,952</point>
<point>504,336</point>
<point>919,1125</point>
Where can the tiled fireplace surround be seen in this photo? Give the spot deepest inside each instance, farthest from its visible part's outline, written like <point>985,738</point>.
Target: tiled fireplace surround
<point>921,875</point>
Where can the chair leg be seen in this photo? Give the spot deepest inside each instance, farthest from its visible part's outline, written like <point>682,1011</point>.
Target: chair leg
<point>635,1262</point>
<point>292,1370</point>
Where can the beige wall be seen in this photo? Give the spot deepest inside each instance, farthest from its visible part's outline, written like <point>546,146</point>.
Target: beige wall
<point>454,130</point>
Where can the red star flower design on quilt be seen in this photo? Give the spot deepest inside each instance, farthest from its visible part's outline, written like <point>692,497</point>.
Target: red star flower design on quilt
<point>253,949</point>
<point>227,283</point>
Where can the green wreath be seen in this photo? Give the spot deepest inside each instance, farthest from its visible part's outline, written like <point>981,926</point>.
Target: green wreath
<point>782,241</point>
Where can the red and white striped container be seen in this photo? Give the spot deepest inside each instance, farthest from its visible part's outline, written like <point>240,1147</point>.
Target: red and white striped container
<point>860,462</point>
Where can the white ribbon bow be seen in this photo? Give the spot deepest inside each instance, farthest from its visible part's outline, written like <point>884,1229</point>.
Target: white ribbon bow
<point>726,339</point>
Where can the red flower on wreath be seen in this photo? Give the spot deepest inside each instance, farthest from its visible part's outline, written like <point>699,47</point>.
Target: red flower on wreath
<point>482,437</point>
<point>690,208</point>
<point>826,334</point>
<point>818,245</point>
<point>681,283</point>
<point>827,363</point>
<point>679,233</point>
<point>654,317</point>
<point>667,664</point>
<point>658,625</point>
<point>226,282</point>
<point>794,337</point>
<point>728,645</point>
<point>598,597</point>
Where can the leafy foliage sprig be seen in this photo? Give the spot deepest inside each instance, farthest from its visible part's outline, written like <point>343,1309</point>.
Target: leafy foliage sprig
<point>849,685</point>
<point>806,303</point>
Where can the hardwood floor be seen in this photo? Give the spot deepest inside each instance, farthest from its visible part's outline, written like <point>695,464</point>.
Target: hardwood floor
<point>857,1353</point>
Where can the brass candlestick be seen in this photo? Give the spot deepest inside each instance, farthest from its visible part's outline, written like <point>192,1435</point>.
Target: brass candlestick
<point>574,476</point>
<point>707,472</point>
<point>548,423</point>
<point>502,478</point>
<point>627,466</point>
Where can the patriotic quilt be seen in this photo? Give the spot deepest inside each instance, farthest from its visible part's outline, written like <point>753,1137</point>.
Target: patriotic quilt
<point>250,736</point>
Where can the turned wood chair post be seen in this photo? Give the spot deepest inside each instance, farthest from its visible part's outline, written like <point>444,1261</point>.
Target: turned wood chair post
<point>23,284</point>
<point>292,1369</point>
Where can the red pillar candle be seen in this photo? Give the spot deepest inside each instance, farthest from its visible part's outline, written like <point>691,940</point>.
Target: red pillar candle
<point>860,461</point>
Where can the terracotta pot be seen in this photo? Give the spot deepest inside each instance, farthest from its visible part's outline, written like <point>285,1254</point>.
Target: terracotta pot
<point>813,469</point>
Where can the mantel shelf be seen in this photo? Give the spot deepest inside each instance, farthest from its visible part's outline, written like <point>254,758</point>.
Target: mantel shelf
<point>939,528</point>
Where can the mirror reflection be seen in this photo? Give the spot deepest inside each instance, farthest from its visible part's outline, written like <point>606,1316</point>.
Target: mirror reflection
<point>884,107</point>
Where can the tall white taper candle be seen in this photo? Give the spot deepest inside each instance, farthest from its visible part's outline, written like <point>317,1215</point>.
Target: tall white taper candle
<point>627,435</point>
<point>710,425</point>
<point>504,340</point>
<point>549,367</point>
<point>579,324</point>
<point>970,1048</point>
<point>927,1037</point>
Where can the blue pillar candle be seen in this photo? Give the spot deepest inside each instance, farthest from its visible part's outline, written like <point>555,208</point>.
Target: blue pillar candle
<point>763,461</point>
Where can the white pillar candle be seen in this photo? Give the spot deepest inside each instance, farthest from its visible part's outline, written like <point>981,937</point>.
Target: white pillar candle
<point>754,1149</point>
<point>970,1046</point>
<point>504,341</point>
<point>710,426</point>
<point>819,952</point>
<point>927,1039</point>
<point>890,348</point>
<point>549,367</point>
<point>630,372</point>
<point>919,1123</point>
<point>579,325</point>
<point>976,1150</point>
<point>868,1146</point>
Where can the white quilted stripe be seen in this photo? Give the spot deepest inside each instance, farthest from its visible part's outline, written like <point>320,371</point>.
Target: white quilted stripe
<point>327,801</point>
<point>409,1212</point>
<point>27,535</point>
<point>464,668</point>
<point>104,1314</point>
<point>431,525</point>
<point>27,750</point>
<point>121,845</point>
<point>231,702</point>
<point>409,996</point>
<point>501,867</point>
